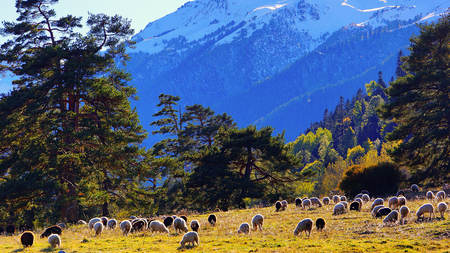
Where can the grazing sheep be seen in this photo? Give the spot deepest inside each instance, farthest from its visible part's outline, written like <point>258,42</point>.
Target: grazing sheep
<point>440,195</point>
<point>54,240</point>
<point>298,202</point>
<point>442,207</point>
<point>425,208</point>
<point>190,237</point>
<point>383,212</point>
<point>392,217</point>
<point>138,225</point>
<point>365,198</point>
<point>430,195</point>
<point>343,198</point>
<point>336,199</point>
<point>377,202</point>
<point>257,222</point>
<point>184,218</point>
<point>360,202</point>
<point>212,219</point>
<point>414,188</point>
<point>82,222</point>
<point>393,202</point>
<point>180,224</point>
<point>10,229</point>
<point>195,225</point>
<point>51,230</point>
<point>320,223</point>
<point>400,193</point>
<point>284,205</point>
<point>112,223</point>
<point>27,239</point>
<point>304,225</point>
<point>125,226</point>
<point>93,221</point>
<point>168,221</point>
<point>326,201</point>
<point>401,201</point>
<point>158,226</point>
<point>355,205</point>
<point>345,204</point>
<point>104,220</point>
<point>338,209</point>
<point>375,210</point>
<point>98,228</point>
<point>315,201</point>
<point>359,195</point>
<point>244,228</point>
<point>278,206</point>
<point>404,211</point>
<point>174,217</point>
<point>132,217</point>
<point>306,203</point>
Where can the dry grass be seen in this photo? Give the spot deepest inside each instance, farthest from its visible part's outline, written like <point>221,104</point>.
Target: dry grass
<point>349,232</point>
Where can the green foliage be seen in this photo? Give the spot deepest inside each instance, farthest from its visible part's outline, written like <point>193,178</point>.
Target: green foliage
<point>354,154</point>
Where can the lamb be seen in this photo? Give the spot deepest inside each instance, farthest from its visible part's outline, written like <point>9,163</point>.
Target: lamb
<point>430,195</point>
<point>180,224</point>
<point>98,228</point>
<point>355,205</point>
<point>338,209</point>
<point>393,202</point>
<point>93,221</point>
<point>377,202</point>
<point>10,229</point>
<point>306,203</point>
<point>440,195</point>
<point>158,226</point>
<point>326,201</point>
<point>320,224</point>
<point>392,217</point>
<point>401,201</point>
<point>51,230</point>
<point>244,228</point>
<point>257,222</point>
<point>27,239</point>
<point>190,237</point>
<point>112,223</point>
<point>414,188</point>
<point>343,198</point>
<point>304,225</point>
<point>195,225</point>
<point>54,240</point>
<point>365,197</point>
<point>383,212</point>
<point>284,205</point>
<point>375,210</point>
<point>168,221</point>
<point>425,208</point>
<point>315,201</point>
<point>212,219</point>
<point>125,226</point>
<point>298,202</point>
<point>442,207</point>
<point>336,199</point>
<point>400,193</point>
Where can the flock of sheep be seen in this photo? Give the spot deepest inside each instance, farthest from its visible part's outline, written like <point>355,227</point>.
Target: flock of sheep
<point>396,210</point>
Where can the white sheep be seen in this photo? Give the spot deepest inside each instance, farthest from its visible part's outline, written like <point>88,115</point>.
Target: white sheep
<point>345,204</point>
<point>180,224</point>
<point>112,223</point>
<point>315,201</point>
<point>54,240</point>
<point>343,198</point>
<point>404,211</point>
<point>158,226</point>
<point>326,201</point>
<point>257,222</point>
<point>98,228</point>
<point>244,228</point>
<point>377,202</point>
<point>338,208</point>
<point>125,226</point>
<point>392,217</point>
<point>306,203</point>
<point>375,210</point>
<point>284,205</point>
<point>304,225</point>
<point>93,221</point>
<point>365,198</point>
<point>402,201</point>
<point>425,208</point>
<point>430,195</point>
<point>336,199</point>
<point>393,202</point>
<point>440,195</point>
<point>190,237</point>
<point>442,207</point>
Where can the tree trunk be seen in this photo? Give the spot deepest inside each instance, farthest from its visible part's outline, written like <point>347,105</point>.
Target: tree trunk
<point>105,211</point>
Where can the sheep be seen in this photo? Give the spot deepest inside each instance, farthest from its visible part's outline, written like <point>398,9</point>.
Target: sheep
<point>158,226</point>
<point>190,237</point>
<point>326,201</point>
<point>393,202</point>
<point>338,208</point>
<point>284,205</point>
<point>440,195</point>
<point>98,228</point>
<point>365,192</point>
<point>180,224</point>
<point>10,229</point>
<point>377,202</point>
<point>360,202</point>
<point>355,205</point>
<point>442,207</point>
<point>212,219</point>
<point>93,221</point>
<point>404,211</point>
<point>320,223</point>
<point>365,198</point>
<point>383,212</point>
<point>425,208</point>
<point>315,201</point>
<point>336,199</point>
<point>345,204</point>
<point>392,217</point>
<point>400,193</point>
<point>54,240</point>
<point>278,206</point>
<point>184,218</point>
<point>168,221</point>
<point>112,223</point>
<point>298,202</point>
<point>27,239</point>
<point>139,225</point>
<point>304,225</point>
<point>359,195</point>
<point>430,195</point>
<point>306,203</point>
<point>375,210</point>
<point>51,230</point>
<point>257,222</point>
<point>62,225</point>
<point>244,228</point>
<point>401,201</point>
<point>82,222</point>
<point>343,198</point>
<point>132,217</point>
<point>125,226</point>
<point>195,225</point>
<point>104,220</point>
<point>414,188</point>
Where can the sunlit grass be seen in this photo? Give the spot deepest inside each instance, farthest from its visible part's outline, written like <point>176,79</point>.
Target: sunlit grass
<point>350,232</point>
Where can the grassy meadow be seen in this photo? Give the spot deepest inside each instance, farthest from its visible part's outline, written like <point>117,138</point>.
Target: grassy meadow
<point>349,232</point>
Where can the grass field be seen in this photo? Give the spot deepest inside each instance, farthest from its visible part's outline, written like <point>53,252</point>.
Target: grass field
<point>349,232</point>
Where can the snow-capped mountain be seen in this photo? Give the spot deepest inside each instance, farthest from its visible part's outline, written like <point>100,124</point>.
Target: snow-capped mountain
<point>220,53</point>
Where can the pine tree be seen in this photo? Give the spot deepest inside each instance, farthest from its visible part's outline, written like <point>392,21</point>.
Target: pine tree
<point>399,72</point>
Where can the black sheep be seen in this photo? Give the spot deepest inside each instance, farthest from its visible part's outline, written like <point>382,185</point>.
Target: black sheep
<point>168,221</point>
<point>277,206</point>
<point>212,219</point>
<point>138,225</point>
<point>320,224</point>
<point>355,205</point>
<point>10,229</point>
<point>184,218</point>
<point>298,202</point>
<point>383,212</point>
<point>27,239</point>
<point>400,193</point>
<point>104,221</point>
<point>194,226</point>
<point>52,230</point>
